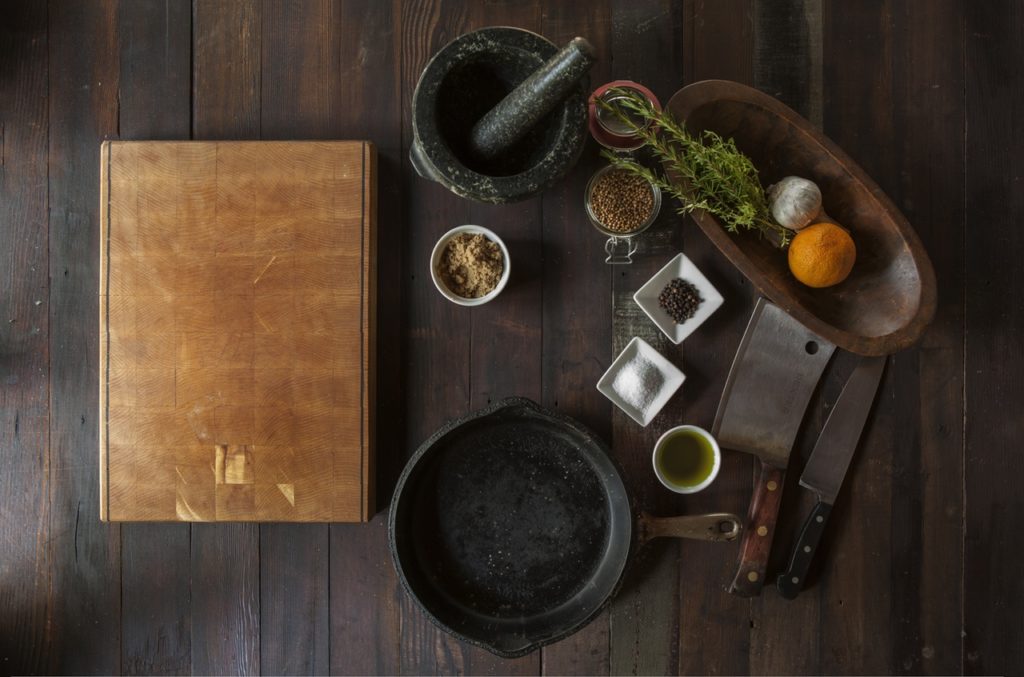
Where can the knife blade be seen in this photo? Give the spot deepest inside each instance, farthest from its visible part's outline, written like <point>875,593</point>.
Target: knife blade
<point>827,466</point>
<point>776,369</point>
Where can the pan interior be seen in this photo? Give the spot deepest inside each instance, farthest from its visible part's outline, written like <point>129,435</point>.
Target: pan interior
<point>519,530</point>
<point>520,521</point>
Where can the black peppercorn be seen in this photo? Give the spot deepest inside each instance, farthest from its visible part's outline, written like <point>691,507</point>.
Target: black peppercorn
<point>680,299</point>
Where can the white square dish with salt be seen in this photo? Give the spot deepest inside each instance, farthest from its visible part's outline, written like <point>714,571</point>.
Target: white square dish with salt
<point>640,381</point>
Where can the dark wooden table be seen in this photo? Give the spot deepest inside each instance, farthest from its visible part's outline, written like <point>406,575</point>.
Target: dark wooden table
<point>919,571</point>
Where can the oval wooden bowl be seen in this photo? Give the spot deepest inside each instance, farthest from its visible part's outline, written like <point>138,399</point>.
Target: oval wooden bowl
<point>889,298</point>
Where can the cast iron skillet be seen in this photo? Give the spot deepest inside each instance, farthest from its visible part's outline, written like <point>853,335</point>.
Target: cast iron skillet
<point>512,527</point>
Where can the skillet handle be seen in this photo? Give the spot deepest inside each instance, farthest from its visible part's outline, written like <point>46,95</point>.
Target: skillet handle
<point>717,526</point>
<point>757,539</point>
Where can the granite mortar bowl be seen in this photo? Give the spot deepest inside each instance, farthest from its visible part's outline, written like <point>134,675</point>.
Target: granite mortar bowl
<point>461,84</point>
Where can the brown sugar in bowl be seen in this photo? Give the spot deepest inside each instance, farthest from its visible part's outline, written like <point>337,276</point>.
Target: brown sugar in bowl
<point>438,252</point>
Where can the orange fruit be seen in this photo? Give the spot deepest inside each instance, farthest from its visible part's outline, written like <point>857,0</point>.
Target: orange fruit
<point>822,255</point>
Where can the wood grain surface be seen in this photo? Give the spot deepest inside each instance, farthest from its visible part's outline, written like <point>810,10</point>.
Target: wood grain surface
<point>86,567</point>
<point>917,572</point>
<point>235,366</point>
<point>24,342</point>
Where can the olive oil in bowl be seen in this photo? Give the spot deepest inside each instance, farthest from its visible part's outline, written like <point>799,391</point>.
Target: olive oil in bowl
<point>686,459</point>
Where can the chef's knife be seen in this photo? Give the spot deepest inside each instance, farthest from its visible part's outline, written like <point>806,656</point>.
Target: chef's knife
<point>777,366</point>
<point>828,463</point>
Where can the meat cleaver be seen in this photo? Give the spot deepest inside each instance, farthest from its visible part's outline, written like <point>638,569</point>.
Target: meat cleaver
<point>773,376</point>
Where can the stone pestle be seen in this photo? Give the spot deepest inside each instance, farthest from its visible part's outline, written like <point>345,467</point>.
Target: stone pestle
<point>524,106</point>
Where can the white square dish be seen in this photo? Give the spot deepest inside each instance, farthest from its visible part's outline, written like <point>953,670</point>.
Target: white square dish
<point>640,381</point>
<point>647,298</point>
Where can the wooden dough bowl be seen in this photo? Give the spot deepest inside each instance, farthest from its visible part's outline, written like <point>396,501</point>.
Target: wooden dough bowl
<point>889,298</point>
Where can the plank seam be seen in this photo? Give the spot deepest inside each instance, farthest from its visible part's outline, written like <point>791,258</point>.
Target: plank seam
<point>364,331</point>
<point>191,71</point>
<point>963,360</point>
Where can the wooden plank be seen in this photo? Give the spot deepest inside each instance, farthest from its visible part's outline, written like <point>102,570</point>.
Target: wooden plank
<point>577,333</point>
<point>226,39</point>
<point>294,613</point>
<point>577,330</point>
<point>84,622</point>
<point>788,65</point>
<point>24,341</point>
<point>225,560</point>
<point>856,592</point>
<point>364,618</point>
<point>155,44</point>
<point>788,54</point>
<point>225,599</point>
<point>155,601</point>
<point>301,48</point>
<point>993,589</point>
<point>646,46</point>
<point>928,505</point>
<point>155,577</point>
<point>714,626</point>
<point>507,331</point>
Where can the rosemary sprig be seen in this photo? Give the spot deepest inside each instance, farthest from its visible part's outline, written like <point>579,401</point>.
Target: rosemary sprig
<point>717,177</point>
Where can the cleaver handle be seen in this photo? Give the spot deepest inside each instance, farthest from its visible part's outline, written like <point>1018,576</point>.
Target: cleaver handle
<point>758,532</point>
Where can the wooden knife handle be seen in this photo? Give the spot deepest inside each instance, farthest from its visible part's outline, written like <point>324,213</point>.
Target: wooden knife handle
<point>758,533</point>
<point>792,581</point>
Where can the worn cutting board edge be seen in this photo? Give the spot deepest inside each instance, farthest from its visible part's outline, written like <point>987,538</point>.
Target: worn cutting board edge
<point>368,332</point>
<point>103,342</point>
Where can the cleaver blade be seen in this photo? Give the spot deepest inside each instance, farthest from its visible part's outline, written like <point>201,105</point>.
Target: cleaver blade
<point>777,367</point>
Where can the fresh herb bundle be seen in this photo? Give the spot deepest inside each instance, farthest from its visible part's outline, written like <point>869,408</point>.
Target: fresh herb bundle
<point>719,179</point>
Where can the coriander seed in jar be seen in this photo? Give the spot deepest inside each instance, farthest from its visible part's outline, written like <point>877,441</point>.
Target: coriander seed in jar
<point>621,205</point>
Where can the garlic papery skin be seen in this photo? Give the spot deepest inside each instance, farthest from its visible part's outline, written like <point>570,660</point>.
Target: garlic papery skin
<point>794,202</point>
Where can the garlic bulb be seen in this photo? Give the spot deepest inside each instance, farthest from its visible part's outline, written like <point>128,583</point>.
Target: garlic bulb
<point>795,202</point>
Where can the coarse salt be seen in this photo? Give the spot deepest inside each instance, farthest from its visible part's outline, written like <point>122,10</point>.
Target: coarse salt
<point>638,383</point>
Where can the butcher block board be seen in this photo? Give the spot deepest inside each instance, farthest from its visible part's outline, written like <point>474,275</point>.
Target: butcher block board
<point>237,287</point>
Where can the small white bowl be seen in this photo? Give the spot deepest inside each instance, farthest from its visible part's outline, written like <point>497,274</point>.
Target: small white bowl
<point>647,298</point>
<point>435,256</point>
<point>715,449</point>
<point>671,379</point>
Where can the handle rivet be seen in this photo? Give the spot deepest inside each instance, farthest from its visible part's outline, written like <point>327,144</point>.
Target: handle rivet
<point>819,519</point>
<point>773,485</point>
<point>752,577</point>
<point>795,580</point>
<point>807,548</point>
<point>762,531</point>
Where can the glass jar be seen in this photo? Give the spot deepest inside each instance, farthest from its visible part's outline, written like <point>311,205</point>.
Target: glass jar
<point>620,246</point>
<point>606,128</point>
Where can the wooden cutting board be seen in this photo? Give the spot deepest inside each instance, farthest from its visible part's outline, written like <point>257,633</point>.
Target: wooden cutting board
<point>236,367</point>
